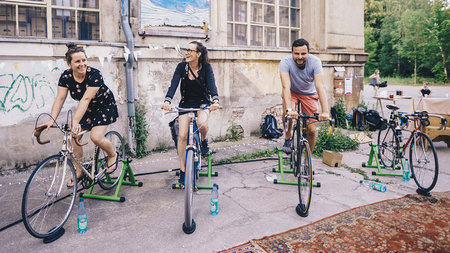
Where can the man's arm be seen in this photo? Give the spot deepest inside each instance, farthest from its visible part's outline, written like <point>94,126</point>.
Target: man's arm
<point>286,90</point>
<point>318,81</point>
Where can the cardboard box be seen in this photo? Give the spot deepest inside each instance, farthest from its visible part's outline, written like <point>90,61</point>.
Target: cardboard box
<point>332,159</point>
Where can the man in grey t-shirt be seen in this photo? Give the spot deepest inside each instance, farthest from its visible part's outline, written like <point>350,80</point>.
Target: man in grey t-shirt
<point>302,80</point>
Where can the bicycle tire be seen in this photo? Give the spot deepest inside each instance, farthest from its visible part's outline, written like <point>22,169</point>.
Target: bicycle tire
<point>294,149</point>
<point>109,180</point>
<point>388,146</point>
<point>304,179</point>
<point>189,224</point>
<point>44,211</point>
<point>423,161</point>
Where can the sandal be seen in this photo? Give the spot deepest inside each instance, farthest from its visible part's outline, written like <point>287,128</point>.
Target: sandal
<point>109,169</point>
<point>71,183</point>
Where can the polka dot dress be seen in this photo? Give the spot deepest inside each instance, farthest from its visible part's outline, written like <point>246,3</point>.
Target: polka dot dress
<point>102,109</point>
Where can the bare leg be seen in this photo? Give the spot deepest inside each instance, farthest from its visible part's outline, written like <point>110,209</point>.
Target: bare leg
<point>311,134</point>
<point>288,133</point>
<point>183,128</point>
<point>98,138</point>
<point>202,122</point>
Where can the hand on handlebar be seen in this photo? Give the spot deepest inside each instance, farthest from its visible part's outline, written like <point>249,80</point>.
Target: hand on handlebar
<point>324,116</point>
<point>214,106</point>
<point>76,128</point>
<point>292,115</point>
<point>166,106</point>
<point>46,125</point>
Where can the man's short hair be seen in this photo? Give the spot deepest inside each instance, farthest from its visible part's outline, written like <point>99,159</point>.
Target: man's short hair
<point>299,43</point>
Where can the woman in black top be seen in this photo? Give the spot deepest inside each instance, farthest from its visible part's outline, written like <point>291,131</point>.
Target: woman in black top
<point>198,88</point>
<point>96,107</point>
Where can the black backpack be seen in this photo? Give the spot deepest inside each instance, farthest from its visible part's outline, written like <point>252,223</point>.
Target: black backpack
<point>269,128</point>
<point>359,118</point>
<point>373,120</point>
<point>383,84</point>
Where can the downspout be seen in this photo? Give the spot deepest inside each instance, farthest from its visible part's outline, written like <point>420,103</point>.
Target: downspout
<point>129,73</point>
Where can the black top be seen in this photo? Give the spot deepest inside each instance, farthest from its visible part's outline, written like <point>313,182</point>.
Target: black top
<point>193,92</point>
<point>102,109</point>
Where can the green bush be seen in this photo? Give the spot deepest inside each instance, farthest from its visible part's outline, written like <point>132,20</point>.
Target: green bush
<point>337,142</point>
<point>341,115</point>
<point>141,134</point>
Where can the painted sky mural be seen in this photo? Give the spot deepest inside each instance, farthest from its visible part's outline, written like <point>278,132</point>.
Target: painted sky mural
<point>174,12</point>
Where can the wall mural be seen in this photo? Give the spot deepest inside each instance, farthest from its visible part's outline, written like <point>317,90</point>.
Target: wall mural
<point>26,89</point>
<point>174,12</point>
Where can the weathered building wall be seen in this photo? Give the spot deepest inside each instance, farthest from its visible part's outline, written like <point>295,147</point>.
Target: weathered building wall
<point>247,78</point>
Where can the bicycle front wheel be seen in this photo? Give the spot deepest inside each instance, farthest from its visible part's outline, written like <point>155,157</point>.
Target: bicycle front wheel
<point>189,223</point>
<point>294,150</point>
<point>304,179</point>
<point>47,201</point>
<point>388,145</point>
<point>423,162</point>
<point>110,179</point>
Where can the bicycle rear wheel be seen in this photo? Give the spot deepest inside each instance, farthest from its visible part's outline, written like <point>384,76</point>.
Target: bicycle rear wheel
<point>388,145</point>
<point>304,179</point>
<point>423,162</point>
<point>189,177</point>
<point>109,180</point>
<point>47,201</point>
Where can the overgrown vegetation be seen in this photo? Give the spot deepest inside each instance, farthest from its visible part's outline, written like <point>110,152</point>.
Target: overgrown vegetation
<point>341,115</point>
<point>245,157</point>
<point>361,172</point>
<point>162,146</point>
<point>234,133</point>
<point>141,132</point>
<point>337,142</point>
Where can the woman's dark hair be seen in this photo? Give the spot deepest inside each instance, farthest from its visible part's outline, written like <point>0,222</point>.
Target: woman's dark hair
<point>203,60</point>
<point>299,43</point>
<point>71,49</point>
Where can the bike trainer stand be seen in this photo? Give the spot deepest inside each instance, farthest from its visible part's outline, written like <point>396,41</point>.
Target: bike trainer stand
<point>281,170</point>
<point>373,155</point>
<point>126,171</point>
<point>208,173</point>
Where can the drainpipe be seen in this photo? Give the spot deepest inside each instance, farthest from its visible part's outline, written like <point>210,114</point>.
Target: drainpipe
<point>129,73</point>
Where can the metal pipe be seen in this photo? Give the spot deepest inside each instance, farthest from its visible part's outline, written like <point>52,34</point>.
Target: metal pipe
<point>129,72</point>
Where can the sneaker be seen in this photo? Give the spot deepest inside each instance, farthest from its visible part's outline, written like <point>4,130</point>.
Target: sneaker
<point>287,146</point>
<point>181,179</point>
<point>205,148</point>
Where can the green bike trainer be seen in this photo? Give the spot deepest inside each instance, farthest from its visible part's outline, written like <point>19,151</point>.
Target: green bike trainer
<point>132,181</point>
<point>281,170</point>
<point>373,155</point>
<point>208,173</point>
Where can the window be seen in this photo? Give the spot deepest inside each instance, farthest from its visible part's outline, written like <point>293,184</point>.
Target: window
<point>263,23</point>
<point>69,19</point>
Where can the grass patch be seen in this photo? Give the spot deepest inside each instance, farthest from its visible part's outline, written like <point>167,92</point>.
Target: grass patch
<point>248,156</point>
<point>361,172</point>
<point>234,133</point>
<point>162,147</point>
<point>332,173</point>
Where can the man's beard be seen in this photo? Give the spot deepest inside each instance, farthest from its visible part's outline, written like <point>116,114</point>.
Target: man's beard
<point>301,66</point>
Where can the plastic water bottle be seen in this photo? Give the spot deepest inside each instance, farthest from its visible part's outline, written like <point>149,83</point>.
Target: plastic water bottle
<point>406,170</point>
<point>81,217</point>
<point>214,204</point>
<point>373,185</point>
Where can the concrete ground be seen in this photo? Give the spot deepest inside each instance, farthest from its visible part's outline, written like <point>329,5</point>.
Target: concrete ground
<point>250,206</point>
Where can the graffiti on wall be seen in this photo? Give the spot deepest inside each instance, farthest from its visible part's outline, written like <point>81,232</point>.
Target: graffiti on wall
<point>174,13</point>
<point>26,89</point>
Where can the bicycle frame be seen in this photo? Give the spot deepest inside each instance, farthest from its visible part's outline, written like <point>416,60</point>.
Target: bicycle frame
<point>191,144</point>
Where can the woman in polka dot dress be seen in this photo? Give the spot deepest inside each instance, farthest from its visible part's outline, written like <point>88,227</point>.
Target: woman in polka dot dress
<point>96,104</point>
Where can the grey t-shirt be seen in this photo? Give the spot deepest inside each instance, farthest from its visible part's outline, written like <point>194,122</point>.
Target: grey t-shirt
<point>302,80</point>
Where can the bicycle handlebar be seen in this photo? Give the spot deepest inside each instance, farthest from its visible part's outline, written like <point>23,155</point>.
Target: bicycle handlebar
<point>316,117</point>
<point>423,117</point>
<point>38,130</point>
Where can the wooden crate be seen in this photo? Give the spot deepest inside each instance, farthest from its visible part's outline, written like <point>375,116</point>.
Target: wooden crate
<point>331,158</point>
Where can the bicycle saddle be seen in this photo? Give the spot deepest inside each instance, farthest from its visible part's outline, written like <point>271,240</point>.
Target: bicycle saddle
<point>392,107</point>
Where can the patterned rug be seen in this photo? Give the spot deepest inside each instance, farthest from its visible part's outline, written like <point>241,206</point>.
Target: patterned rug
<point>413,223</point>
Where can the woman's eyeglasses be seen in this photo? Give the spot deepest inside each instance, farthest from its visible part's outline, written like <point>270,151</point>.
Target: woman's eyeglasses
<point>188,50</point>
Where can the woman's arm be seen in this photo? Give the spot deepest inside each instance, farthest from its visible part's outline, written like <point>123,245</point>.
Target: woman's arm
<point>211,83</point>
<point>61,95</point>
<point>175,82</point>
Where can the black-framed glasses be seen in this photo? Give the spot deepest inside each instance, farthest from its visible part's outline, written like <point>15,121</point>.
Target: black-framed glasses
<point>188,50</point>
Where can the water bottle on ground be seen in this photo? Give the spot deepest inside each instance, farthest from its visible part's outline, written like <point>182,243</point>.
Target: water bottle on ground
<point>81,217</point>
<point>406,170</point>
<point>214,204</point>
<point>373,185</point>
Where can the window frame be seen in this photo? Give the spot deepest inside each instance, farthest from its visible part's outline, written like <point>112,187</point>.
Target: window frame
<point>249,23</point>
<point>49,7</point>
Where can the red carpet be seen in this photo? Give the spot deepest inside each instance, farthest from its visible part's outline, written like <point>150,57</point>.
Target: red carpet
<point>413,223</point>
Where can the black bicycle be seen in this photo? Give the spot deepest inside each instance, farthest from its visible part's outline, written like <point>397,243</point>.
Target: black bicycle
<point>301,163</point>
